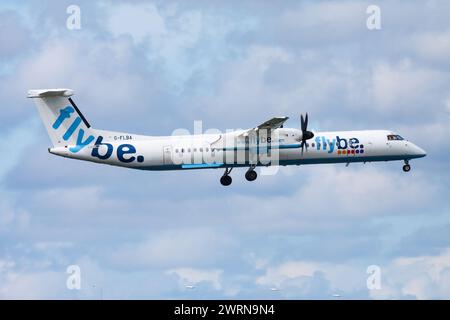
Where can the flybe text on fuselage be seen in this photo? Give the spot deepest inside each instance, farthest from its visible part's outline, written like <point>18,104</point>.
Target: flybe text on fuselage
<point>339,145</point>
<point>125,152</point>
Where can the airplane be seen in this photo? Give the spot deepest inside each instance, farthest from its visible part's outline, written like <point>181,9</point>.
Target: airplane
<point>268,144</point>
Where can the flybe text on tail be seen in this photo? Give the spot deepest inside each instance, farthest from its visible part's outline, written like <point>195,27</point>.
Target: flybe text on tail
<point>64,114</point>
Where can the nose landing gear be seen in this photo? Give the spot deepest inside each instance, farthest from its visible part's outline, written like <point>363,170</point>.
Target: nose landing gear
<point>406,167</point>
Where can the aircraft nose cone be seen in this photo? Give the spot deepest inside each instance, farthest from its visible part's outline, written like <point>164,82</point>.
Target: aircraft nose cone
<point>418,152</point>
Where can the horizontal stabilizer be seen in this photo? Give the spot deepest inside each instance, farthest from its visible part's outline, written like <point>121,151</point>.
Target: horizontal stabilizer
<point>50,93</point>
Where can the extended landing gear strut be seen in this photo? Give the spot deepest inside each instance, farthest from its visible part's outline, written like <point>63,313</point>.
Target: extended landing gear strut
<point>226,179</point>
<point>251,174</point>
<point>406,167</point>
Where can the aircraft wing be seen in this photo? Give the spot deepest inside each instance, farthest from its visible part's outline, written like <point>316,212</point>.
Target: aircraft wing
<point>271,124</point>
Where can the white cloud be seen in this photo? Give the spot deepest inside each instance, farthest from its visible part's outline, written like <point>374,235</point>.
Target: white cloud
<point>324,21</point>
<point>174,247</point>
<point>243,86</point>
<point>14,36</point>
<point>293,269</point>
<point>140,21</point>
<point>67,63</point>
<point>433,46</point>
<point>6,265</point>
<point>404,88</point>
<point>17,282</point>
<point>189,276</point>
<point>420,134</point>
<point>12,218</point>
<point>32,285</point>
<point>423,277</point>
<point>336,192</point>
<point>168,32</point>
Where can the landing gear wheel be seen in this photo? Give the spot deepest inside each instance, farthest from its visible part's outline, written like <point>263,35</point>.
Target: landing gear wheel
<point>406,167</point>
<point>226,180</point>
<point>251,175</point>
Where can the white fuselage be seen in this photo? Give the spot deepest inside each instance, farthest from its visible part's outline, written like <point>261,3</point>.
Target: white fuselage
<point>232,150</point>
<point>268,144</point>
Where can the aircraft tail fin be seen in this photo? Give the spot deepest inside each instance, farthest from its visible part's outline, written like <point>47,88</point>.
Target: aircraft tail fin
<point>64,122</point>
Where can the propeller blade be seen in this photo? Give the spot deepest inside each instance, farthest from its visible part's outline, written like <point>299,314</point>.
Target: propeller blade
<point>306,121</point>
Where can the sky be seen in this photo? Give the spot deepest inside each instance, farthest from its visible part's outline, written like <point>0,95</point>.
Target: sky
<point>308,232</point>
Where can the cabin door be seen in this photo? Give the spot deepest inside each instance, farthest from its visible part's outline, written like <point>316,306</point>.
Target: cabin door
<point>167,155</point>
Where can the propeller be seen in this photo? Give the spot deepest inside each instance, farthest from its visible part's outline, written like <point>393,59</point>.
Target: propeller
<point>306,135</point>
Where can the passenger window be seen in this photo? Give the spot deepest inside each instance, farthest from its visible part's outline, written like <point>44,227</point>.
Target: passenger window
<point>195,149</point>
<point>201,149</point>
<point>182,150</point>
<point>313,145</point>
<point>207,149</point>
<point>176,150</point>
<point>189,150</point>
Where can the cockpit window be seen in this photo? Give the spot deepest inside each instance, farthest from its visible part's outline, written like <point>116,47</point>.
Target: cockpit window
<point>391,137</point>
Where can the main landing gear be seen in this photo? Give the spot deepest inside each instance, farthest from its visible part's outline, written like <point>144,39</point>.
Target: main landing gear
<point>226,179</point>
<point>406,167</point>
<point>250,175</point>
